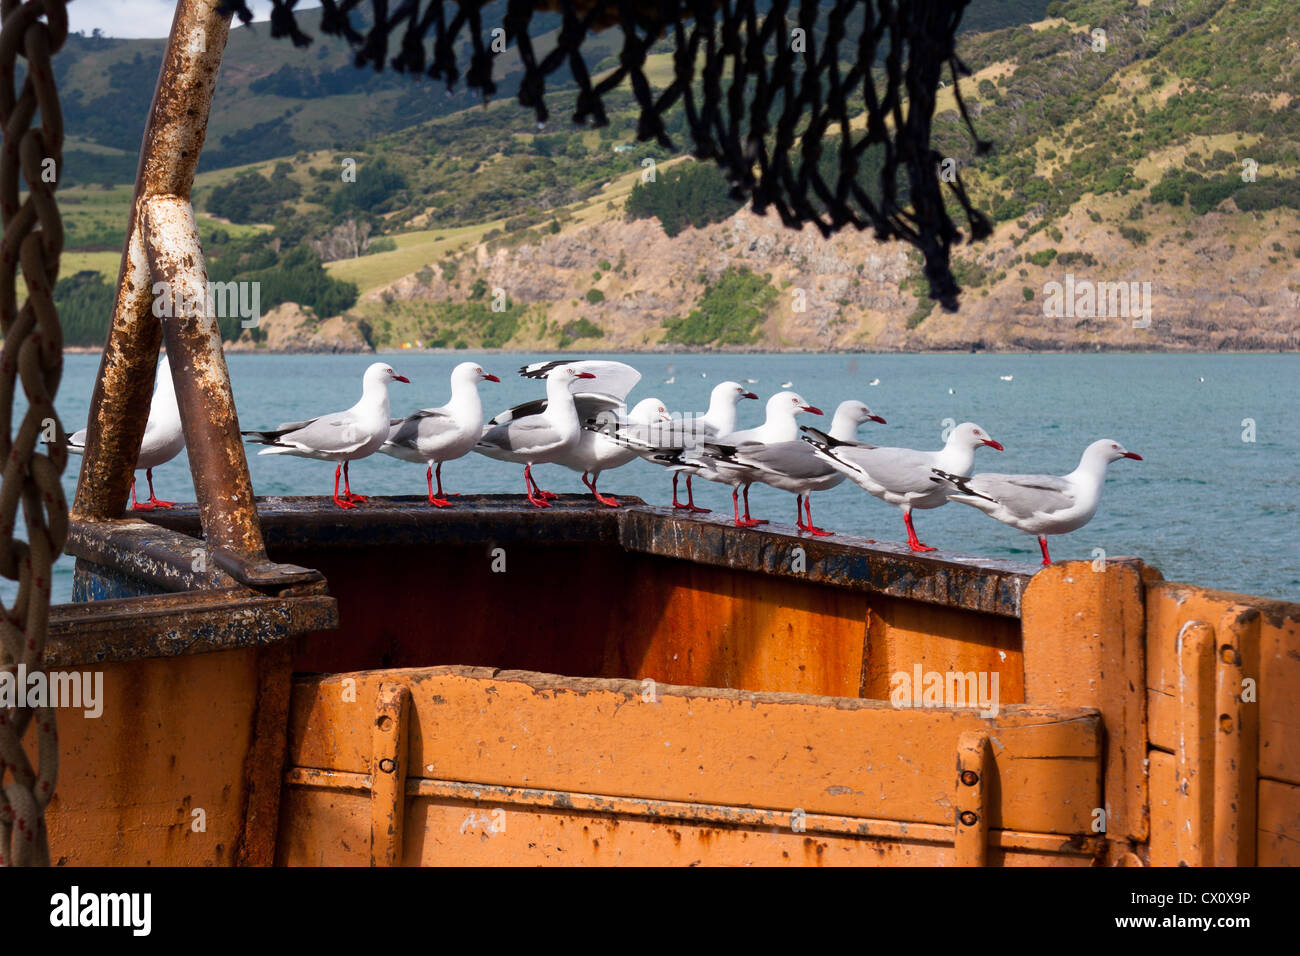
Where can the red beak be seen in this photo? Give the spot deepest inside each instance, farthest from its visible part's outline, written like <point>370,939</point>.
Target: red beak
<point>401,378</point>
<point>583,375</point>
<point>877,418</point>
<point>994,444</point>
<point>491,378</point>
<point>814,409</point>
<point>748,395</point>
<point>1133,455</point>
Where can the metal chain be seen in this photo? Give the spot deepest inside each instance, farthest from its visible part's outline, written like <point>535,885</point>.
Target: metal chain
<point>33,351</point>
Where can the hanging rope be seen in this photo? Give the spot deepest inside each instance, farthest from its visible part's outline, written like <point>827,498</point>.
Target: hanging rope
<point>33,351</point>
<point>820,109</point>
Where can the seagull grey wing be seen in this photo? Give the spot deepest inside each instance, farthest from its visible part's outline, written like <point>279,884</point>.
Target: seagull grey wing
<point>790,459</point>
<point>331,434</point>
<point>424,424</point>
<point>603,411</point>
<point>901,470</point>
<point>613,379</point>
<point>1026,495</point>
<point>535,407</point>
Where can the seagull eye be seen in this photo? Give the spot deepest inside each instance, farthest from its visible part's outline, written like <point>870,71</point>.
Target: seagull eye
<point>1116,447</point>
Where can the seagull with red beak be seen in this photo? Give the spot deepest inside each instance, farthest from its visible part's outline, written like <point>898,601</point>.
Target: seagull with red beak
<point>904,476</point>
<point>539,438</point>
<point>340,437</point>
<point>435,435</point>
<point>1041,504</point>
<point>718,463</point>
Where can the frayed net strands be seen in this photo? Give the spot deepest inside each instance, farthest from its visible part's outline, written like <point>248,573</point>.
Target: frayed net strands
<point>813,109</point>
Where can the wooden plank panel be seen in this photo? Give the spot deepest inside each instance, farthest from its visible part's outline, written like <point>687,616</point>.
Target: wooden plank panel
<point>324,827</point>
<point>837,756</point>
<point>1164,810</point>
<point>462,834</point>
<point>1279,824</point>
<point>1083,632</point>
<point>1273,664</point>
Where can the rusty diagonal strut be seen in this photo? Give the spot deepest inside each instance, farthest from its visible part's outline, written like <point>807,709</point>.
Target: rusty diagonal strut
<point>163,245</point>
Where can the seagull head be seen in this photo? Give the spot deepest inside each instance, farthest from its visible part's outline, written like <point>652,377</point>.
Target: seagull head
<point>858,412</point>
<point>1111,450</point>
<point>381,373</point>
<point>731,392</point>
<point>471,373</point>
<point>970,435</point>
<point>648,411</point>
<point>790,403</point>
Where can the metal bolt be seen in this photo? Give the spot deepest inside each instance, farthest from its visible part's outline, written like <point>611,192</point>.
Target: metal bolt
<point>387,765</point>
<point>970,778</point>
<point>969,818</point>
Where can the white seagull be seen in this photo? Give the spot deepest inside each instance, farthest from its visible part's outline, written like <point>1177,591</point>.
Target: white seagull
<point>665,446</point>
<point>163,438</point>
<point>1041,504</point>
<point>534,438</point>
<point>779,426</point>
<point>435,435</point>
<point>598,448</point>
<point>340,437</point>
<point>793,465</point>
<point>903,476</point>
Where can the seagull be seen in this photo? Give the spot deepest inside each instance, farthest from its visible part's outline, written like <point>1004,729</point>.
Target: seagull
<point>434,435</point>
<point>671,381</point>
<point>793,465</point>
<point>340,437</point>
<point>163,438</point>
<point>1041,504</point>
<point>779,426</point>
<point>665,446</point>
<point>952,391</point>
<point>787,384</point>
<point>874,381</point>
<point>1006,378</point>
<point>902,476</point>
<point>751,381</point>
<point>598,450</point>
<point>537,432</point>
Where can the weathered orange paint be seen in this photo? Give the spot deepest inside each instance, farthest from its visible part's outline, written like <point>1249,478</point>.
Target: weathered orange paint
<point>176,736</point>
<point>1083,647</point>
<point>643,745</point>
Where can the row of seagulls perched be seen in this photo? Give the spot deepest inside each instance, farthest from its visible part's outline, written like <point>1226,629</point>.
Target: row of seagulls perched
<point>583,424</point>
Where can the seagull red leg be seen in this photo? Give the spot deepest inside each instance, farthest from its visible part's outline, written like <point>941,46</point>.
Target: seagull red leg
<point>342,503</point>
<point>690,498</point>
<point>735,506</point>
<point>912,540</point>
<point>347,489</point>
<point>530,484</point>
<point>751,521</point>
<point>810,527</point>
<point>441,493</point>
<point>1042,543</point>
<point>676,503</point>
<point>135,505</point>
<point>608,501</point>
<point>439,501</point>
<point>798,512</point>
<point>154,502</point>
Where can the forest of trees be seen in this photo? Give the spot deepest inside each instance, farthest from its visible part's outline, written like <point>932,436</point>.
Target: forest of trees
<point>692,194</point>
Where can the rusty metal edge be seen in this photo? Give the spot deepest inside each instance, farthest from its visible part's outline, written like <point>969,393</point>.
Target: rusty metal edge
<point>159,626</point>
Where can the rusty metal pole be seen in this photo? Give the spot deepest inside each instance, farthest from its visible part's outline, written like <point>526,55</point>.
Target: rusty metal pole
<point>173,138</point>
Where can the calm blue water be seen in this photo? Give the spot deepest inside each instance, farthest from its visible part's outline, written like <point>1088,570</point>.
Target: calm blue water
<point>1204,507</point>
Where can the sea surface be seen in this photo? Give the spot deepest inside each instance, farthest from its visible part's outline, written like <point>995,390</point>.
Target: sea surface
<point>1206,505</point>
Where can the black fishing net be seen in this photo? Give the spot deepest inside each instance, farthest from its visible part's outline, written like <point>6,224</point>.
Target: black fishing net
<point>819,110</point>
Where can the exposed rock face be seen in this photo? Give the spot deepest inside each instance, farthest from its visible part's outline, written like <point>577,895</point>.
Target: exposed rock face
<point>1206,292</point>
<point>291,328</point>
